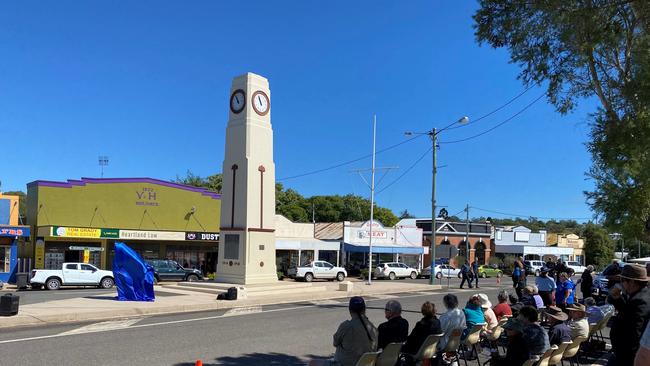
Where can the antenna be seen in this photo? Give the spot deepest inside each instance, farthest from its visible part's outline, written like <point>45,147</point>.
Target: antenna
<point>103,161</point>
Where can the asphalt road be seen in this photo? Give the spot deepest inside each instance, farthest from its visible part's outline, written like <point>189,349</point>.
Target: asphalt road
<point>289,334</point>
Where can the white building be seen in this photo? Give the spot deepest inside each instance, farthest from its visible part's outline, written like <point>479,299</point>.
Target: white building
<point>521,241</point>
<point>295,244</point>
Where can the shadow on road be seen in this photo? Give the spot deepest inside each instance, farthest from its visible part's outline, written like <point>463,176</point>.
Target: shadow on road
<point>268,359</point>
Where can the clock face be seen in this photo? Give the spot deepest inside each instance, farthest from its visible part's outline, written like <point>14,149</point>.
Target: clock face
<point>261,103</point>
<point>237,101</point>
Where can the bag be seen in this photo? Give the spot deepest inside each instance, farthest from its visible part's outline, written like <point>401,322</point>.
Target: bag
<point>516,272</point>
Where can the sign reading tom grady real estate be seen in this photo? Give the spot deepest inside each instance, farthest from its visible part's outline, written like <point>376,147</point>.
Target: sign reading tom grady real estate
<point>152,235</point>
<point>84,232</point>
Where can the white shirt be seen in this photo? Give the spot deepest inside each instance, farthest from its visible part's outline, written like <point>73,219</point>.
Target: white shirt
<point>452,319</point>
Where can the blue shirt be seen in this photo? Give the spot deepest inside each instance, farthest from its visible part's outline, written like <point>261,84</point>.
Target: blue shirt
<point>545,283</point>
<point>561,292</point>
<point>473,315</point>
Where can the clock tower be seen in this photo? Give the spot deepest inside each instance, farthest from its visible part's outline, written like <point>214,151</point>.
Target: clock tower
<point>247,234</point>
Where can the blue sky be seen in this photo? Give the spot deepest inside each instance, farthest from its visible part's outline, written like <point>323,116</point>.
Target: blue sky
<point>146,83</point>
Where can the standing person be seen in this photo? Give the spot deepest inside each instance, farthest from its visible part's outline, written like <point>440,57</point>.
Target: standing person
<point>643,354</point>
<point>546,286</point>
<point>518,272</point>
<point>633,306</point>
<point>427,326</point>
<point>356,336</point>
<point>502,308</point>
<point>560,268</point>
<point>396,328</point>
<point>558,331</point>
<point>565,294</point>
<point>586,282</point>
<point>475,272</point>
<point>464,272</point>
<point>453,319</point>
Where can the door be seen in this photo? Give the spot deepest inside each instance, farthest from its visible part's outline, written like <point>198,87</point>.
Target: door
<point>328,270</point>
<point>71,273</point>
<point>88,274</point>
<point>163,270</point>
<point>176,271</point>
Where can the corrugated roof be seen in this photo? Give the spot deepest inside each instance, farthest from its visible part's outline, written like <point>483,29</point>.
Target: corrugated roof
<point>329,230</point>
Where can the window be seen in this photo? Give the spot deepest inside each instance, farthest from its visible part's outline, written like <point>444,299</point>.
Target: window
<point>85,267</point>
<point>318,264</point>
<point>499,234</point>
<point>542,237</point>
<point>70,266</point>
<point>231,246</point>
<point>522,236</point>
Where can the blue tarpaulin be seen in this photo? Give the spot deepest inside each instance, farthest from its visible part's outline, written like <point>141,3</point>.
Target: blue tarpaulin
<point>133,277</point>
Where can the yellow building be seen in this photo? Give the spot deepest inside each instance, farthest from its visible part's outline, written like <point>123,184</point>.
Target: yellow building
<point>575,242</point>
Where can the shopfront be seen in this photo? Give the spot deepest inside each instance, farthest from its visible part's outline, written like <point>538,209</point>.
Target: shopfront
<point>80,221</point>
<point>11,237</point>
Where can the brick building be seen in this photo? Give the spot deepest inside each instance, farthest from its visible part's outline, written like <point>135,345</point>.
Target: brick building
<point>454,234</point>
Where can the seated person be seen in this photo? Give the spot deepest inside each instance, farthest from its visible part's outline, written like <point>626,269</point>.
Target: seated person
<point>453,319</point>
<point>515,305</point>
<point>396,329</point>
<point>527,297</point>
<point>489,318</point>
<point>578,324</point>
<point>502,308</point>
<point>558,332</point>
<point>427,326</point>
<point>535,336</point>
<point>539,302</point>
<point>516,351</point>
<point>595,313</point>
<point>473,314</point>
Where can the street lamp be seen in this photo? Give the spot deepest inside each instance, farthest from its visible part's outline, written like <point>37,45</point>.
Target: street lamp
<point>433,135</point>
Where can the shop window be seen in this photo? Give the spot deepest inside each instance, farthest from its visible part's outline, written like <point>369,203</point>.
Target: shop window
<point>5,259</point>
<point>306,257</point>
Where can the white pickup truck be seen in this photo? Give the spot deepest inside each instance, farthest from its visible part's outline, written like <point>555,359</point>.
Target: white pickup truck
<point>317,269</point>
<point>71,274</point>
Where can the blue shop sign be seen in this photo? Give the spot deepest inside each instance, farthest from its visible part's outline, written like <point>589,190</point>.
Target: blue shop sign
<point>14,231</point>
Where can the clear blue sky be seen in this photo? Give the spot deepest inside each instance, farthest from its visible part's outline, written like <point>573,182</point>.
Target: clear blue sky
<point>147,84</point>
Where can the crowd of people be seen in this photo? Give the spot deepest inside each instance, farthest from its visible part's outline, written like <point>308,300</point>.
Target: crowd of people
<point>538,317</point>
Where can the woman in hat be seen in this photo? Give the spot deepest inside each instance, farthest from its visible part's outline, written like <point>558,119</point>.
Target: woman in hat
<point>633,306</point>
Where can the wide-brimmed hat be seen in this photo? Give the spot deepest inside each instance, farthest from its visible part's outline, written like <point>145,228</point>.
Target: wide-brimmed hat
<point>485,301</point>
<point>514,324</point>
<point>577,307</point>
<point>556,313</point>
<point>635,272</point>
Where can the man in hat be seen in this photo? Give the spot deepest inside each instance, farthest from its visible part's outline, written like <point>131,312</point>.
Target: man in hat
<point>578,324</point>
<point>633,306</point>
<point>356,336</point>
<point>558,332</point>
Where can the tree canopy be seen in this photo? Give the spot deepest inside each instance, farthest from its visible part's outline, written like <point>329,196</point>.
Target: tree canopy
<point>580,49</point>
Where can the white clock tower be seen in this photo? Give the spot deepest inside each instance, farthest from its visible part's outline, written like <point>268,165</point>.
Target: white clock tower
<point>247,238</point>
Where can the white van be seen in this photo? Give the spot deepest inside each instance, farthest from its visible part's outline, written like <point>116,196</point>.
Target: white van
<point>535,266</point>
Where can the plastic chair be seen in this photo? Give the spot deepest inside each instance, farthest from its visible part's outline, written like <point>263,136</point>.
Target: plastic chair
<point>427,350</point>
<point>368,359</point>
<point>556,356</point>
<point>472,340</point>
<point>389,355</point>
<point>571,351</point>
<point>453,343</point>
<point>543,361</point>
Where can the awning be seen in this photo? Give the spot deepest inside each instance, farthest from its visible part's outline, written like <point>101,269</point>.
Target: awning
<point>363,248</point>
<point>306,244</point>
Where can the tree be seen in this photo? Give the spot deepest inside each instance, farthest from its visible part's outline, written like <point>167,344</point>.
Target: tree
<point>599,248</point>
<point>405,214</point>
<point>22,205</point>
<point>213,182</point>
<point>582,49</point>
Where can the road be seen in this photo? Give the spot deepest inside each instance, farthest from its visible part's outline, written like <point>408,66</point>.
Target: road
<point>289,334</point>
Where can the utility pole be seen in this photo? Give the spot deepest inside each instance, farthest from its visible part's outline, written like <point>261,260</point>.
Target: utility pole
<point>432,249</point>
<point>467,232</point>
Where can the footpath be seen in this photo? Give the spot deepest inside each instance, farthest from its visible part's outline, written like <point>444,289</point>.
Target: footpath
<point>172,297</point>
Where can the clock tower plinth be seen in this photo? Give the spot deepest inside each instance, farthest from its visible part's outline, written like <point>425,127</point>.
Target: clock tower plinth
<point>247,234</point>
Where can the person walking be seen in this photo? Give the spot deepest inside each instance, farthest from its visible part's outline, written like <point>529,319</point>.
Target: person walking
<point>475,272</point>
<point>633,306</point>
<point>546,286</point>
<point>396,328</point>
<point>464,273</point>
<point>519,276</point>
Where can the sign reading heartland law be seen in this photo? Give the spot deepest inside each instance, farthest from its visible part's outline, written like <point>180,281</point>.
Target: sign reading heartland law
<point>152,235</point>
<point>202,236</point>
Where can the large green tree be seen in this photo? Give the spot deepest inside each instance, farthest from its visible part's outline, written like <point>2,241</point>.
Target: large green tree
<point>599,248</point>
<point>589,48</point>
<point>211,182</point>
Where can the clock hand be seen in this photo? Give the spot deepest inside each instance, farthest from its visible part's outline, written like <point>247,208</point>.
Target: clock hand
<point>236,99</point>
<point>259,99</point>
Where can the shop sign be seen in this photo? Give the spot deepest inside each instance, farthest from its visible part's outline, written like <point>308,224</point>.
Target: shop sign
<point>375,234</point>
<point>146,197</point>
<point>110,233</point>
<point>76,232</point>
<point>202,236</point>
<point>40,253</point>
<point>152,235</point>
<point>90,249</point>
<point>14,231</point>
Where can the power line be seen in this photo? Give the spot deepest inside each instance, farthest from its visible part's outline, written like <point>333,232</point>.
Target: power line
<point>498,125</point>
<point>349,161</point>
<point>406,171</point>
<point>538,217</point>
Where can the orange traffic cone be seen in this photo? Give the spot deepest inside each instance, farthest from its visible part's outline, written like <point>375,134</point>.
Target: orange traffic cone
<point>199,363</point>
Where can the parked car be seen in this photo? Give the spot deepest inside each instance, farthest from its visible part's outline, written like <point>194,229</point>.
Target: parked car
<point>71,274</point>
<point>393,270</point>
<point>576,267</point>
<point>317,269</point>
<point>169,270</point>
<point>605,280</point>
<point>489,271</point>
<point>442,270</point>
<point>533,267</point>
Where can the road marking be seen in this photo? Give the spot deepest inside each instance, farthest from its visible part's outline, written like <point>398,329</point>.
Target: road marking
<point>383,297</point>
<point>243,310</point>
<point>326,302</point>
<point>102,327</point>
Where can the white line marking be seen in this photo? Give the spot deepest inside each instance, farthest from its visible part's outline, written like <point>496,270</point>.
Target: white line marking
<point>383,297</point>
<point>244,310</point>
<point>186,320</point>
<point>326,302</point>
<point>102,327</point>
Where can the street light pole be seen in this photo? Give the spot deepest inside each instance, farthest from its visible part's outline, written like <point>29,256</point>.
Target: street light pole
<point>432,250</point>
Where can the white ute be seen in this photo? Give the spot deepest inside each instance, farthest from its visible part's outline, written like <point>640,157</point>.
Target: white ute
<point>318,269</point>
<point>71,274</point>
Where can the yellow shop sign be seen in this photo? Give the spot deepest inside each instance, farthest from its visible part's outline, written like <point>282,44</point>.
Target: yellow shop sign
<point>76,232</point>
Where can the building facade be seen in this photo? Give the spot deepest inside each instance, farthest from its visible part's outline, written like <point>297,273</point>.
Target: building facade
<point>576,243</point>
<point>473,237</point>
<point>80,221</point>
<point>12,237</point>
<point>521,241</point>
